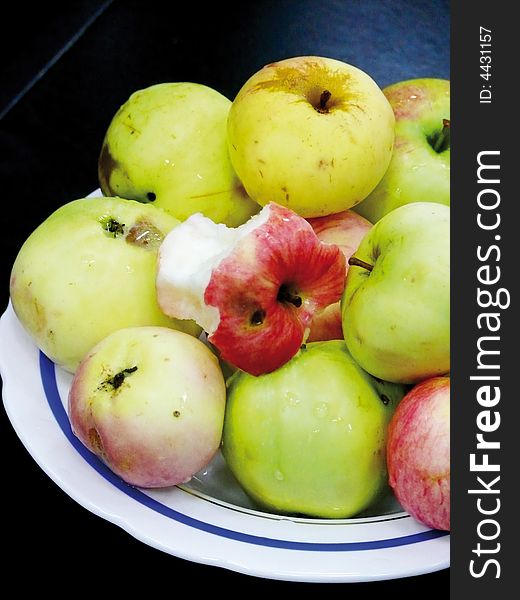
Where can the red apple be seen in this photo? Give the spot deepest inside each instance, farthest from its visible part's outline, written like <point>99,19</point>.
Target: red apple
<point>345,229</point>
<point>254,289</point>
<point>149,401</point>
<point>418,452</point>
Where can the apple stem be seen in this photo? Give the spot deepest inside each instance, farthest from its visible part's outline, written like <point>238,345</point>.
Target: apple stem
<point>324,98</point>
<point>357,262</point>
<point>442,140</point>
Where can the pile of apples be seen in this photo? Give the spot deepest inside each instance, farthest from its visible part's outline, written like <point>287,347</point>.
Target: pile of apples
<point>268,276</point>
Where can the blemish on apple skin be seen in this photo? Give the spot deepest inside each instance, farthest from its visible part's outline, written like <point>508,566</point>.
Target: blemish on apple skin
<point>96,442</point>
<point>176,414</point>
<point>406,101</point>
<point>132,129</point>
<point>261,174</point>
<point>240,189</point>
<point>145,235</point>
<point>106,165</point>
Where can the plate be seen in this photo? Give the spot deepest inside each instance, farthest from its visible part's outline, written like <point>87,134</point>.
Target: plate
<point>210,520</point>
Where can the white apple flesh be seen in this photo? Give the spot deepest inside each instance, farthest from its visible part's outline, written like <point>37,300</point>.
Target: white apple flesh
<point>253,289</point>
<point>311,133</point>
<point>149,401</point>
<point>346,230</point>
<point>418,452</point>
<point>88,270</point>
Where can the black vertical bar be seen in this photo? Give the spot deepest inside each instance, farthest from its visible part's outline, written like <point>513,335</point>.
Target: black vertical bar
<point>484,127</point>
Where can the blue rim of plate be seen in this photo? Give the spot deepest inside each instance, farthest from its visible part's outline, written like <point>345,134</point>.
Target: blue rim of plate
<point>48,377</point>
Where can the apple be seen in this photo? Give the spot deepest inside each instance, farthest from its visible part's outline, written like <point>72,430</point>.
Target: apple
<point>396,303</point>
<point>311,133</point>
<point>310,437</point>
<point>167,145</point>
<point>150,402</point>
<point>418,452</point>
<point>253,289</point>
<point>420,167</point>
<point>345,229</point>
<point>88,270</point>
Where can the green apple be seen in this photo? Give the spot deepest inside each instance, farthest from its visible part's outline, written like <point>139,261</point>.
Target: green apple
<point>310,437</point>
<point>88,270</point>
<point>167,145</point>
<point>396,303</point>
<point>150,402</point>
<point>313,134</point>
<point>420,167</point>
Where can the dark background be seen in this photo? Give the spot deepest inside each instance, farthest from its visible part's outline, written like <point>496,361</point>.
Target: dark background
<point>65,70</point>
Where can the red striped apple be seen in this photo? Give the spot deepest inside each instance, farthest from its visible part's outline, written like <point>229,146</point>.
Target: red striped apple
<point>149,401</point>
<point>345,229</point>
<point>418,452</point>
<point>253,289</point>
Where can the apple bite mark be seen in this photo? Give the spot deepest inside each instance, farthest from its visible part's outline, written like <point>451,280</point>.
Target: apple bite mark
<point>255,292</point>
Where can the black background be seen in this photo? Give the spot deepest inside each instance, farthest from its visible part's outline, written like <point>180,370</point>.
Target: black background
<point>66,68</point>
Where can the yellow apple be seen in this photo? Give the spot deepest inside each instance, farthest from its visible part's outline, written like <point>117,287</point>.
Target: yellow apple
<point>311,133</point>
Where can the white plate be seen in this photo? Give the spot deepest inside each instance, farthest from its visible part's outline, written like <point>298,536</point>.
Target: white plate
<point>210,520</point>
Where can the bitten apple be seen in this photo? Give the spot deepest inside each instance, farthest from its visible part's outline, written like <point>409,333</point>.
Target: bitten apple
<point>418,452</point>
<point>88,270</point>
<point>311,133</point>
<point>253,289</point>
<point>420,167</point>
<point>167,145</point>
<point>310,437</point>
<point>346,230</point>
<point>149,401</point>
<point>396,304</point>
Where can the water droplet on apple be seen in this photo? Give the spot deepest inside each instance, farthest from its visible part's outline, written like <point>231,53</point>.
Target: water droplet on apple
<point>292,399</point>
<point>320,409</point>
